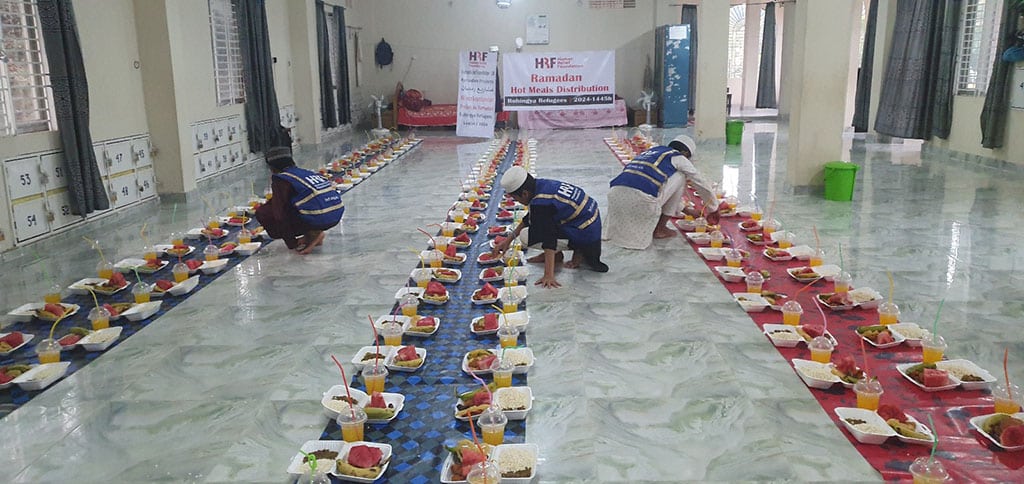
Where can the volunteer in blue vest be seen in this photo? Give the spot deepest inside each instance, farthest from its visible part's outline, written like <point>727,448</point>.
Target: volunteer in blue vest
<point>561,217</point>
<point>302,206</point>
<point>649,192</point>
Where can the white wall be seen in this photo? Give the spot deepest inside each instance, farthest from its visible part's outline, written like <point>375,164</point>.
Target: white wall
<point>109,48</point>
<point>434,31</point>
<point>965,135</point>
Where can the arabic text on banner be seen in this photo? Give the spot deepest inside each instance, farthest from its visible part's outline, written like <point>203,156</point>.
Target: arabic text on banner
<point>477,71</point>
<point>558,80</point>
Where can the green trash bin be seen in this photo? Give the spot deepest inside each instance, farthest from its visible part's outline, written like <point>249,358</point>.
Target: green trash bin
<point>733,132</point>
<point>839,180</point>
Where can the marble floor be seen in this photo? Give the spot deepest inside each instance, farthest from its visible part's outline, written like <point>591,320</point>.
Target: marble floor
<point>649,373</point>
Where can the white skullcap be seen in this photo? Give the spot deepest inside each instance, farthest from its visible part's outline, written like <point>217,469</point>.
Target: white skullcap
<point>686,141</point>
<point>513,179</point>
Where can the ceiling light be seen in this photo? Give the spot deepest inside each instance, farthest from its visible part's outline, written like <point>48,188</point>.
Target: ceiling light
<point>504,3</point>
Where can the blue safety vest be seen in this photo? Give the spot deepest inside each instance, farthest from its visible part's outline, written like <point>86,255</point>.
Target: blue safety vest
<point>576,212</point>
<point>648,171</point>
<point>316,200</point>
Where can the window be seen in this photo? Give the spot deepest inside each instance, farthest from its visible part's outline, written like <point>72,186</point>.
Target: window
<point>737,26</point>
<point>979,34</point>
<point>26,98</point>
<point>227,53</point>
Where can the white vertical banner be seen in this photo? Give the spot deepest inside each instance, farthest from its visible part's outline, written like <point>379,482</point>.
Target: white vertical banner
<point>477,79</point>
<point>558,80</point>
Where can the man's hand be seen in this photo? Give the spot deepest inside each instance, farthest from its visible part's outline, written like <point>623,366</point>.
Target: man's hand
<point>502,247</point>
<point>547,281</point>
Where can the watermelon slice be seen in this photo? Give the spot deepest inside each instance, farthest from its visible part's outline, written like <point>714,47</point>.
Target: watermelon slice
<point>888,411</point>
<point>450,251</point>
<point>814,330</point>
<point>435,288</point>
<point>164,284</point>
<point>428,321</point>
<point>883,338</point>
<point>193,264</point>
<point>934,378</point>
<point>505,214</point>
<point>69,340</point>
<point>377,401</point>
<point>463,237</point>
<point>488,290</point>
<point>364,456</point>
<point>490,272</point>
<point>14,339</point>
<point>406,353</point>
<point>54,309</point>
<point>117,280</point>
<point>1012,436</point>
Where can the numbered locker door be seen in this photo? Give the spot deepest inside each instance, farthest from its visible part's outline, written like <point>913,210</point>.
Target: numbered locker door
<point>119,157</point>
<point>52,166</point>
<point>140,152</point>
<point>123,187</point>
<point>59,203</point>
<point>220,133</point>
<point>223,158</point>
<point>23,178</point>
<point>235,154</point>
<point>101,161</point>
<point>30,218</point>
<point>145,181</point>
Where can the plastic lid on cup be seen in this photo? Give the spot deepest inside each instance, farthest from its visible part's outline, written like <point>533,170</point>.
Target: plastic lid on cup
<point>755,277</point>
<point>48,345</point>
<point>888,308</point>
<point>357,416</point>
<point>792,307</point>
<point>926,469</point>
<point>821,343</point>
<point>492,416</point>
<point>865,385</point>
<point>98,313</point>
<point>391,328</point>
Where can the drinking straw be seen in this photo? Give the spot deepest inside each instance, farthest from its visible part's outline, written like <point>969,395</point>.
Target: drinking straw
<point>310,459</point>
<point>95,245</point>
<point>142,233</point>
<point>864,353</point>
<point>344,380</point>
<point>376,340</point>
<point>935,325</point>
<point>55,323</point>
<point>431,237</point>
<point>472,431</point>
<point>94,300</point>
<point>842,267</point>
<point>136,271</point>
<point>824,320</point>
<point>892,285</point>
<point>817,241</point>
<point>1006,373</point>
<point>935,438</point>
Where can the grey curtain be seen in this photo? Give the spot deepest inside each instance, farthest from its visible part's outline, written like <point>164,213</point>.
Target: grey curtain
<point>690,17</point>
<point>71,104</point>
<point>945,38</point>
<point>916,76</point>
<point>766,73</point>
<point>261,112</point>
<point>328,111</point>
<point>862,102</point>
<point>344,101</point>
<point>997,103</point>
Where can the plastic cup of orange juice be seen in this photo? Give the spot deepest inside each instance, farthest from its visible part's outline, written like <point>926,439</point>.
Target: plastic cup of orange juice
<point>502,369</point>
<point>105,270</point>
<point>754,281</point>
<point>733,258</point>
<point>141,291</point>
<point>180,271</point>
<point>888,313</point>
<point>52,296</point>
<point>352,424</point>
<point>422,278</point>
<point>933,347</point>
<point>869,392</point>
<point>1007,401</point>
<point>508,336</point>
<point>700,225</point>
<point>842,283</point>
<point>409,304</point>
<point>821,349</point>
<point>791,312</point>
<point>100,318</point>
<point>374,376</point>
<point>392,333</point>
<point>492,425</point>
<point>48,351</point>
<point>717,239</point>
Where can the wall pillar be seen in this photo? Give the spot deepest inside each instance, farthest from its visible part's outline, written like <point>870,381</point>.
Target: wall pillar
<point>822,66</point>
<point>305,69</point>
<point>713,52</point>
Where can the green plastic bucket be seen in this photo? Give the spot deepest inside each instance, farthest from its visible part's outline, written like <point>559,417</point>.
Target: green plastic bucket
<point>839,180</point>
<point>733,132</point>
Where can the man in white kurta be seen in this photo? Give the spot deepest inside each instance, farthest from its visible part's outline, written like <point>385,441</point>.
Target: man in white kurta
<point>649,192</point>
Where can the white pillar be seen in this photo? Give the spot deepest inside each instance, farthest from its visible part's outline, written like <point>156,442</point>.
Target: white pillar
<point>306,81</point>
<point>786,61</point>
<point>821,49</point>
<point>713,52</point>
<point>883,44</point>
<point>751,56</point>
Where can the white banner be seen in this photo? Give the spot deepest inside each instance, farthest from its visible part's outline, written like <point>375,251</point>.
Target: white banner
<point>477,73</point>
<point>559,80</point>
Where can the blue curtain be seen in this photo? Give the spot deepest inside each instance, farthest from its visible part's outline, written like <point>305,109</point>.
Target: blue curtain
<point>71,104</point>
<point>261,112</point>
<point>862,102</point>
